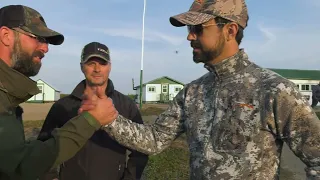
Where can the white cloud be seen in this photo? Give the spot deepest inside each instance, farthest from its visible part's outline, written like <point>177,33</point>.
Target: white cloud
<point>136,33</point>
<point>294,47</point>
<point>132,31</point>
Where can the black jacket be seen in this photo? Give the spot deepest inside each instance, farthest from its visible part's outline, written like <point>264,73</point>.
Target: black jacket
<point>101,158</point>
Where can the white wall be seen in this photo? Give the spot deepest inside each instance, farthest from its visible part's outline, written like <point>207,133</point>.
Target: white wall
<point>47,94</point>
<point>143,94</point>
<point>155,96</point>
<point>57,96</point>
<point>302,87</point>
<point>152,96</point>
<point>172,91</point>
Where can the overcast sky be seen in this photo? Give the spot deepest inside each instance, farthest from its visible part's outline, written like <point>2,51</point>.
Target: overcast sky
<point>280,34</point>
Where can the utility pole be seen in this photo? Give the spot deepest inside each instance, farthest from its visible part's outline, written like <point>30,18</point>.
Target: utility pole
<point>142,52</point>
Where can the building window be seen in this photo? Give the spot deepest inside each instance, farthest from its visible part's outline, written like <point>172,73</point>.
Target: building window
<point>152,89</point>
<point>164,89</point>
<point>177,89</point>
<point>298,86</point>
<point>40,88</point>
<point>305,87</point>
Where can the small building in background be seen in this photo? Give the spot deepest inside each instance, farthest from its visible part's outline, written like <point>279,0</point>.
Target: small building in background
<point>160,90</point>
<point>304,79</point>
<point>47,93</point>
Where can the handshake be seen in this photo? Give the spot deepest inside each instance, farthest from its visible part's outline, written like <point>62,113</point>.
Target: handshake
<point>99,105</point>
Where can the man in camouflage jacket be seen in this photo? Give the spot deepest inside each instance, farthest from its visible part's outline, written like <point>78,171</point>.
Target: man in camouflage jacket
<point>238,115</point>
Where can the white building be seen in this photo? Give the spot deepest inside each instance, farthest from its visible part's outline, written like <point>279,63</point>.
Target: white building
<point>47,93</point>
<point>161,90</point>
<point>304,79</point>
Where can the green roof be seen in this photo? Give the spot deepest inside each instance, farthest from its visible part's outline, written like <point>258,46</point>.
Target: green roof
<point>298,74</point>
<point>163,80</point>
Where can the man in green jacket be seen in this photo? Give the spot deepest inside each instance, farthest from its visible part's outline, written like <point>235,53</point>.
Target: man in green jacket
<point>24,39</point>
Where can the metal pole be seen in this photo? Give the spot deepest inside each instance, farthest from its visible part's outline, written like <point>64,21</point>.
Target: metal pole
<point>142,51</point>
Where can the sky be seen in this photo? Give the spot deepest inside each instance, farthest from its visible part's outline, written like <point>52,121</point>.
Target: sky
<point>280,34</point>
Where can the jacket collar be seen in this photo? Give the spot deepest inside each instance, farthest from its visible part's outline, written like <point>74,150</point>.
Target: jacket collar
<point>79,89</point>
<point>230,66</point>
<point>18,86</point>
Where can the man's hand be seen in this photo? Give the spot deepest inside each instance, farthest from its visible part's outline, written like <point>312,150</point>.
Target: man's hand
<point>98,105</point>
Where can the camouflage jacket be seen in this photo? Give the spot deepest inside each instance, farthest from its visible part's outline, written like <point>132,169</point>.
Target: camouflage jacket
<point>236,118</point>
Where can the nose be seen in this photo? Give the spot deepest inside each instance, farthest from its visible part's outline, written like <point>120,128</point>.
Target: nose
<point>44,47</point>
<point>97,68</point>
<point>191,36</point>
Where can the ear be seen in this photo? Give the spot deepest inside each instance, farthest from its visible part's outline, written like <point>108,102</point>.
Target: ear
<point>6,36</point>
<point>231,31</point>
<point>81,67</point>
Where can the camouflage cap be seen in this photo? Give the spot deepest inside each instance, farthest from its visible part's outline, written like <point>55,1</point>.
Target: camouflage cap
<point>29,20</point>
<point>202,11</point>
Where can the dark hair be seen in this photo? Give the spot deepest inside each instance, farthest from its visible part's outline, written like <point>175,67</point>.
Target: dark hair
<point>239,35</point>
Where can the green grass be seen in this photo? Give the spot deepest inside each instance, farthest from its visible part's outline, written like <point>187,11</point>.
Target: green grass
<point>172,163</point>
<point>33,124</point>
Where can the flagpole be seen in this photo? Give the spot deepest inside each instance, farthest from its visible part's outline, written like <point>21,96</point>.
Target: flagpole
<point>142,51</point>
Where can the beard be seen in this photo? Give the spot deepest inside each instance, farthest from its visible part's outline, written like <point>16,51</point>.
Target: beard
<point>207,55</point>
<point>23,62</point>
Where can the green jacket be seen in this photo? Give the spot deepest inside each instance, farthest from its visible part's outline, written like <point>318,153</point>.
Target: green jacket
<point>28,160</point>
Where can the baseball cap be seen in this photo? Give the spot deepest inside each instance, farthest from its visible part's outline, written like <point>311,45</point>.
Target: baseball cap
<point>29,20</point>
<point>95,49</point>
<point>202,11</point>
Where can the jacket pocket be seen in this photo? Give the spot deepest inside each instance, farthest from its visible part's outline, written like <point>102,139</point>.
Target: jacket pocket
<point>236,128</point>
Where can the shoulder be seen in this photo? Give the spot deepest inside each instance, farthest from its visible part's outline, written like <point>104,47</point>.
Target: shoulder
<point>276,83</point>
<point>199,81</point>
<point>280,88</point>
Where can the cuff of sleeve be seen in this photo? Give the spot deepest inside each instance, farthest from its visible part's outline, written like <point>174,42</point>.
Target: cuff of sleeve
<point>112,123</point>
<point>91,120</point>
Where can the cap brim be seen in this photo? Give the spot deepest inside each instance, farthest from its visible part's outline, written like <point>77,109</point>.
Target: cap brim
<point>95,55</point>
<point>51,36</point>
<point>190,18</point>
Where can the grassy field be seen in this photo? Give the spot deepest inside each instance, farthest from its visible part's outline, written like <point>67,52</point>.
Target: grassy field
<point>172,163</point>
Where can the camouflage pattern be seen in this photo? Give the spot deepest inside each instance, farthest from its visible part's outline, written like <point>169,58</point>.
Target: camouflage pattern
<point>202,11</point>
<point>35,24</point>
<point>236,117</point>
<point>29,20</point>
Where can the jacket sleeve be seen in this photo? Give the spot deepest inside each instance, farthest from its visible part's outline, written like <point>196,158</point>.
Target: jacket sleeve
<point>29,160</point>
<point>296,123</point>
<point>137,161</point>
<point>150,139</point>
<point>52,121</point>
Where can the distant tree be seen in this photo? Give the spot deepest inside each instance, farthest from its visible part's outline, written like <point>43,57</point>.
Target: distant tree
<point>63,95</point>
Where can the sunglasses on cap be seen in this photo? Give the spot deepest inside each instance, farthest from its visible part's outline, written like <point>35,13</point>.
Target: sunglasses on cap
<point>37,38</point>
<point>198,29</point>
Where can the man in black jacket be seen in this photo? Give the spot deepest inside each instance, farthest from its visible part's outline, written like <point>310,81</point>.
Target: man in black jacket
<point>101,157</point>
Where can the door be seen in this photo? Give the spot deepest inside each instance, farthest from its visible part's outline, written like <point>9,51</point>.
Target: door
<point>165,92</point>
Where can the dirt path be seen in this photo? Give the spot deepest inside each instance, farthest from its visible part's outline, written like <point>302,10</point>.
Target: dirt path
<point>35,111</point>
